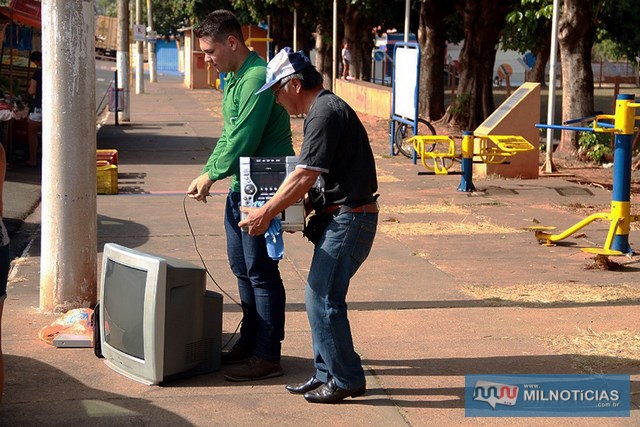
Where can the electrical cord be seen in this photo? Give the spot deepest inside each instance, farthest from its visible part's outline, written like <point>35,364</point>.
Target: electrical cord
<point>204,264</point>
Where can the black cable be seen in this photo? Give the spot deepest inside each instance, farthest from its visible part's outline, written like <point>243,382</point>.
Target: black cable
<point>204,264</point>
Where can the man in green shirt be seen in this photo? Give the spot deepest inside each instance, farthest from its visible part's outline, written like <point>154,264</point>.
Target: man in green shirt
<point>254,126</point>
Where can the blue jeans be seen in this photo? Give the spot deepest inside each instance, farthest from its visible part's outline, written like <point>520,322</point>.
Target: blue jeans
<point>261,289</point>
<point>345,244</point>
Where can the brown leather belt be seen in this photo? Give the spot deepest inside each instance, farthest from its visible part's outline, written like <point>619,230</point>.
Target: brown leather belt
<point>368,208</point>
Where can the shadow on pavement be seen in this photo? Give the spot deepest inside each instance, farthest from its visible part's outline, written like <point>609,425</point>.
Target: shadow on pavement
<point>117,230</point>
<point>60,402</point>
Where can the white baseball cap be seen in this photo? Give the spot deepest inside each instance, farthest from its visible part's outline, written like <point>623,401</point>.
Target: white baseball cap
<point>284,64</point>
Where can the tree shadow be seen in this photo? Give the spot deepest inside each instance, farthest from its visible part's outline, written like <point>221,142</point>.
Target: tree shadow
<point>116,230</point>
<point>453,397</point>
<point>39,394</point>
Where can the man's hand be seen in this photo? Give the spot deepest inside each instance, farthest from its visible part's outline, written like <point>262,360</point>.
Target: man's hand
<point>256,223</point>
<point>199,188</point>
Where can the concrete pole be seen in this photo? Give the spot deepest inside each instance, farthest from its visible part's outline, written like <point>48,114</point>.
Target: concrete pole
<point>68,263</point>
<point>122,58</point>
<point>139,53</point>
<point>151,45</point>
<point>551,102</point>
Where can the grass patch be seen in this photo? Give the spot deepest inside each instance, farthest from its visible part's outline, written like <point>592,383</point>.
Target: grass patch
<point>443,228</point>
<point>552,293</point>
<point>427,208</point>
<point>599,352</point>
<point>387,178</point>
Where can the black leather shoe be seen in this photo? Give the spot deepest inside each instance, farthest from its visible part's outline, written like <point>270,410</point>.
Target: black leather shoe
<point>331,393</point>
<point>311,384</point>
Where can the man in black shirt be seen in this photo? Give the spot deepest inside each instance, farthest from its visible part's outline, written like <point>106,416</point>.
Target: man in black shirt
<point>336,169</point>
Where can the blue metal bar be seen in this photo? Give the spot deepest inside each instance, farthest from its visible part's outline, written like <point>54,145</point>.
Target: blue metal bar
<point>605,125</point>
<point>581,119</point>
<point>560,127</point>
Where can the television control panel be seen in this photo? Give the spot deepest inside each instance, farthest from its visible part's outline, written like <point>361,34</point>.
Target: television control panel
<point>260,178</point>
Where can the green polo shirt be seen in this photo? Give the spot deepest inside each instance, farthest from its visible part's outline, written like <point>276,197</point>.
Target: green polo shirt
<point>254,125</point>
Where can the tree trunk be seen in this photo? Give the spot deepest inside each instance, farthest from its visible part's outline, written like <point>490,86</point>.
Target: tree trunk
<point>364,43</point>
<point>483,22</point>
<point>576,35</point>
<point>542,52</point>
<point>323,57</point>
<point>350,20</point>
<point>357,32</point>
<point>432,39</point>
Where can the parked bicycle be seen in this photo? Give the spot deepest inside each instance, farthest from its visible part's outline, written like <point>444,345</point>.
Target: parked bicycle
<point>403,134</point>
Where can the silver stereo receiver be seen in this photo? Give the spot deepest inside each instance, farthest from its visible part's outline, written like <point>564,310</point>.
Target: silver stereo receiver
<point>260,177</point>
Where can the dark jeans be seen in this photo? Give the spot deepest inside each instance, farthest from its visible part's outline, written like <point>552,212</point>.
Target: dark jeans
<point>259,283</point>
<point>343,247</point>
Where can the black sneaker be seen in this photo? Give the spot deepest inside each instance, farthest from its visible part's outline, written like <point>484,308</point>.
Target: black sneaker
<point>239,353</point>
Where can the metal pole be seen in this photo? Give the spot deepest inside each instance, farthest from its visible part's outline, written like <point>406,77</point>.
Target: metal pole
<point>295,30</point>
<point>407,13</point>
<point>334,68</point>
<point>268,37</point>
<point>466,182</point>
<point>151,44</point>
<point>139,53</point>
<point>116,107</point>
<point>122,58</point>
<point>551,103</point>
<point>68,263</point>
<point>621,192</point>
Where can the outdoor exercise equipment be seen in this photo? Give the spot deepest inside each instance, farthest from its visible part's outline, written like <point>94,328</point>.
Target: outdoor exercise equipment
<point>620,218</point>
<point>438,153</point>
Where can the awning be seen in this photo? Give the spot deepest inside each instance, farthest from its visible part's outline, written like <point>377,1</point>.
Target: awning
<point>21,17</point>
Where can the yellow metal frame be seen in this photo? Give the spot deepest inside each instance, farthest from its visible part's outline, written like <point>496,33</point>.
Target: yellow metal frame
<point>436,161</point>
<point>505,147</point>
<point>440,161</point>
<point>250,40</point>
<point>619,217</point>
<point>619,222</point>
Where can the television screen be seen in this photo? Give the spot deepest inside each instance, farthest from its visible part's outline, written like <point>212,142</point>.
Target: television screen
<point>123,318</point>
<point>157,320</point>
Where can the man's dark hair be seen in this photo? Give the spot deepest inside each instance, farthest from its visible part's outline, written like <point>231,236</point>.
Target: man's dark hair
<point>35,56</point>
<point>310,78</point>
<point>219,25</point>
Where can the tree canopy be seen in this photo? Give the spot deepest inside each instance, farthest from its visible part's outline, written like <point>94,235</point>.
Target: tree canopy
<point>521,25</point>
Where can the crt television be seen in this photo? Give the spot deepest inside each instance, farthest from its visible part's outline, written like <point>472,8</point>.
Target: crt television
<point>157,320</point>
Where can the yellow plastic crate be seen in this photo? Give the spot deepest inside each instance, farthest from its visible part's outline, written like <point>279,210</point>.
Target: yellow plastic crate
<point>107,178</point>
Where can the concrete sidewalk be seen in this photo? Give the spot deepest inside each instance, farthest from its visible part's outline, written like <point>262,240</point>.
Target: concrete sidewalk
<point>443,293</point>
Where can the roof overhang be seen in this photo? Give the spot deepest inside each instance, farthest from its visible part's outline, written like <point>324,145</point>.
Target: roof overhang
<point>21,17</point>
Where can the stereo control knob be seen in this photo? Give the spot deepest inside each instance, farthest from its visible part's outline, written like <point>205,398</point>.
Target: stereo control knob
<point>250,189</point>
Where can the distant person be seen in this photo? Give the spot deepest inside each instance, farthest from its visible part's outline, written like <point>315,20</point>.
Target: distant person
<point>346,61</point>
<point>253,126</point>
<point>336,153</point>
<point>5,260</point>
<point>35,108</point>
